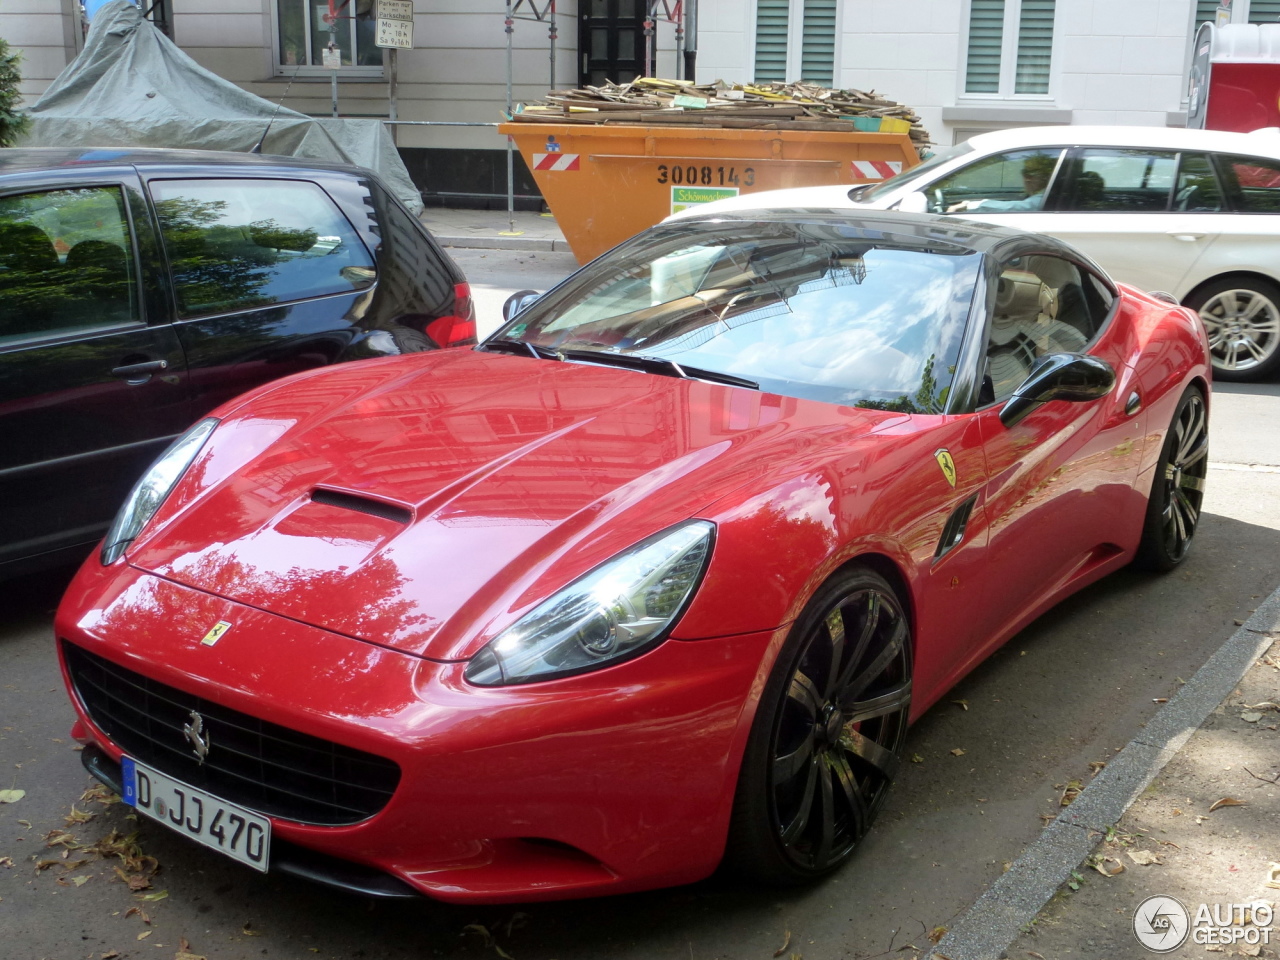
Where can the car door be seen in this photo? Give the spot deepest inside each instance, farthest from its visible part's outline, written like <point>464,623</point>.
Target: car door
<point>269,278</point>
<point>1147,216</point>
<point>1060,481</point>
<point>92,376</point>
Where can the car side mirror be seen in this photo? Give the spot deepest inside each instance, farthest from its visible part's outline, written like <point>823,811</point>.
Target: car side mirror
<point>914,202</point>
<point>518,301</point>
<point>1074,377</point>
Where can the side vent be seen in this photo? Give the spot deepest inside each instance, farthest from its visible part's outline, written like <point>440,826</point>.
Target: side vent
<point>352,501</point>
<point>953,532</point>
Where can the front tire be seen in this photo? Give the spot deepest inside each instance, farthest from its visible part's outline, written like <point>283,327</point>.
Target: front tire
<point>1177,492</point>
<point>828,734</point>
<point>1242,320</point>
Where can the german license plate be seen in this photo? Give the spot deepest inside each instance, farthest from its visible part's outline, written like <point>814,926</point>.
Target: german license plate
<point>219,825</point>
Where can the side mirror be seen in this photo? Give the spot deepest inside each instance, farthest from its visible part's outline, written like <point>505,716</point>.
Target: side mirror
<point>914,202</point>
<point>518,301</point>
<point>1074,377</point>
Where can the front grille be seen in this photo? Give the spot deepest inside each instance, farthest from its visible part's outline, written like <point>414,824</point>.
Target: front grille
<point>262,766</point>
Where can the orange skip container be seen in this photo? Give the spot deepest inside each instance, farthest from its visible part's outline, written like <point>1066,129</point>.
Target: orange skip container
<point>607,183</point>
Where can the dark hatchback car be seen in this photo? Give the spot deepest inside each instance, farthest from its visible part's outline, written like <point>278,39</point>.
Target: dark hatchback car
<point>141,288</point>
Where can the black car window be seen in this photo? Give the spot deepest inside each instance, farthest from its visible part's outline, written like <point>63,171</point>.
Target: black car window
<point>1043,305</point>
<point>1015,182</point>
<point>237,244</point>
<point>66,262</point>
<point>1133,181</point>
<point>1252,182</point>
<point>1197,188</point>
<point>821,311</point>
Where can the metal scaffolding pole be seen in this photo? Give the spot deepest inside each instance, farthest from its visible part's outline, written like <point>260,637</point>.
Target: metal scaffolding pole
<point>546,15</point>
<point>673,13</point>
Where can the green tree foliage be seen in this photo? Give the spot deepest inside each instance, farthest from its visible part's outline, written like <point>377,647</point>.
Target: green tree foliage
<point>12,123</point>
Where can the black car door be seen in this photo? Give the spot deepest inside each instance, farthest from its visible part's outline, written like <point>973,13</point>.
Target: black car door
<point>92,375</point>
<point>269,278</point>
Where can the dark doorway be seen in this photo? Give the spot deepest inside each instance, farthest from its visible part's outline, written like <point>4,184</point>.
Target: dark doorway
<point>610,41</point>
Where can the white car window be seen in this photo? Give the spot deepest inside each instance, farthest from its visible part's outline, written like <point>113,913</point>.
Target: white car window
<point>1253,183</point>
<point>1006,183</point>
<point>1136,181</point>
<point>1197,190</point>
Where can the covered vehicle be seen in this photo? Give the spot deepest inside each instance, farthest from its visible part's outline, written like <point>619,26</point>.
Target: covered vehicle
<point>656,575</point>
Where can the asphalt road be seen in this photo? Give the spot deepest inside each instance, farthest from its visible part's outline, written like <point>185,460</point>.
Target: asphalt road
<point>1071,689</point>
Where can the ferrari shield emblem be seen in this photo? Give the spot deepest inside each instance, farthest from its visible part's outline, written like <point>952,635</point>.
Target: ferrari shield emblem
<point>948,465</point>
<point>222,626</point>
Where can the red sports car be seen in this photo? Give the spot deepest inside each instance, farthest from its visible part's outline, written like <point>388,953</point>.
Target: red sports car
<point>656,576</point>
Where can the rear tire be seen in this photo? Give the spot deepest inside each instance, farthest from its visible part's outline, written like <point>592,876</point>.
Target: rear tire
<point>1177,491</point>
<point>828,734</point>
<point>1242,320</point>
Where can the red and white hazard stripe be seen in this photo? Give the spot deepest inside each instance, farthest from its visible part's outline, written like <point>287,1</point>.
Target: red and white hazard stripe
<point>876,169</point>
<point>557,161</point>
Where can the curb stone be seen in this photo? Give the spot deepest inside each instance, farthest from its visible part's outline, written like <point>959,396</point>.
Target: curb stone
<point>997,917</point>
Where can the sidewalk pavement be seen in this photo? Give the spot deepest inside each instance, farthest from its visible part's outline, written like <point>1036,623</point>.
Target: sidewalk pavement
<point>492,229</point>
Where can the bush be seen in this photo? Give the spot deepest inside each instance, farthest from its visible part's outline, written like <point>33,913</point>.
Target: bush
<point>12,123</point>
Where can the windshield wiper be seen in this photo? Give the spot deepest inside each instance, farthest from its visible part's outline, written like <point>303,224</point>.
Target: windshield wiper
<point>522,348</point>
<point>658,365</point>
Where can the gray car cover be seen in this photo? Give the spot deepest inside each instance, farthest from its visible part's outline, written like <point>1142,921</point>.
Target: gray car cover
<point>132,87</point>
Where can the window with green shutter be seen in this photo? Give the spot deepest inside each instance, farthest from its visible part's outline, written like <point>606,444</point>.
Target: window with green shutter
<point>1264,11</point>
<point>1205,10</point>
<point>1035,45</point>
<point>818,47</point>
<point>986,43</point>
<point>772,18</point>
<point>1010,48</point>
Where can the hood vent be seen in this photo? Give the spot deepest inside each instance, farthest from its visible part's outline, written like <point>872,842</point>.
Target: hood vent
<point>353,501</point>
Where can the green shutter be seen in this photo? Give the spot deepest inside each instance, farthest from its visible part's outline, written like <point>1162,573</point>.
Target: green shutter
<point>1264,11</point>
<point>986,36</point>
<point>1035,46</point>
<point>1206,10</point>
<point>818,51</point>
<point>771,40</point>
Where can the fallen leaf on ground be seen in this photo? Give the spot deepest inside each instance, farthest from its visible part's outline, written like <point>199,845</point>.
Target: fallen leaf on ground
<point>962,704</point>
<point>11,796</point>
<point>1251,716</point>
<point>25,823</point>
<point>78,816</point>
<point>1264,705</point>
<point>61,838</point>
<point>477,928</point>
<point>1273,876</point>
<point>958,752</point>
<point>6,861</point>
<point>46,864</point>
<point>907,946</point>
<point>184,952</point>
<point>248,931</point>
<point>1250,950</point>
<point>1226,802</point>
<point>502,953</point>
<point>142,914</point>
<point>1144,858</point>
<point>136,881</point>
<point>79,881</point>
<point>152,897</point>
<point>785,943</point>
<point>1038,956</point>
<point>1109,867</point>
<point>916,758</point>
<point>1069,793</point>
<point>100,793</point>
<point>937,933</point>
<point>110,955</point>
<point>1096,767</point>
<point>144,934</point>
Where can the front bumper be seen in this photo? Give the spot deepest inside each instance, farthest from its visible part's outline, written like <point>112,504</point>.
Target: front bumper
<point>609,782</point>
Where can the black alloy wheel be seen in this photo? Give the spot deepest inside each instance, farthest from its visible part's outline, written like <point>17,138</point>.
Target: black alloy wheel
<point>1173,510</point>
<point>828,735</point>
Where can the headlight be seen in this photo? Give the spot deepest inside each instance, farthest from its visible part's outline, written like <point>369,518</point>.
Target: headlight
<point>149,492</point>
<point>618,610</point>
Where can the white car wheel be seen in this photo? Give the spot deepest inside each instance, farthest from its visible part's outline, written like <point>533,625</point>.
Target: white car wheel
<point>1242,320</point>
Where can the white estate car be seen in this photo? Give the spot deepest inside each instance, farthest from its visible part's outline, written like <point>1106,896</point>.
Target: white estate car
<point>1195,213</point>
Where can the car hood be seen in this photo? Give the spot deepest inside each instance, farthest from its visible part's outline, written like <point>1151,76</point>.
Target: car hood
<point>425,502</point>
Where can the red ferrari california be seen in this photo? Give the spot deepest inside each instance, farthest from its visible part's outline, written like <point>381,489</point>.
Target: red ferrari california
<point>656,576</point>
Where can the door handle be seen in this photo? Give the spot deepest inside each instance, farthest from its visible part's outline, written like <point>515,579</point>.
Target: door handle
<point>1185,236</point>
<point>1133,404</point>
<point>137,373</point>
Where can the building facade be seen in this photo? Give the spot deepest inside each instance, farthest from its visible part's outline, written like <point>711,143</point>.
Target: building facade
<point>965,65</point>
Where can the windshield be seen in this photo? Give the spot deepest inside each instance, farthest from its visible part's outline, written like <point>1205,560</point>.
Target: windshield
<point>824,311</point>
<point>886,187</point>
